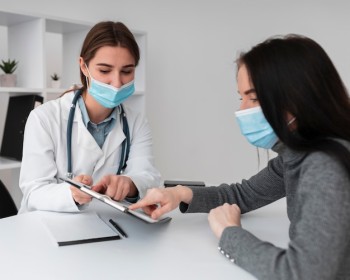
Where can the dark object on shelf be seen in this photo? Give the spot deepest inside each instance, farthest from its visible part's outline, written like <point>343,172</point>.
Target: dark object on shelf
<point>18,111</point>
<point>173,183</point>
<point>7,206</point>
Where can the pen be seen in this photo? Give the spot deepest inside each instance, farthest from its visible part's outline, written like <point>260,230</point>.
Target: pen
<point>118,228</point>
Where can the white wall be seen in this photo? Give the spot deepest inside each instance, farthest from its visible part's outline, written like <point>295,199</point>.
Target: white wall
<point>191,87</point>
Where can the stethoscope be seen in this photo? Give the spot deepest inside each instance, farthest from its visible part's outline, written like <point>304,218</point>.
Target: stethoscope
<point>125,145</point>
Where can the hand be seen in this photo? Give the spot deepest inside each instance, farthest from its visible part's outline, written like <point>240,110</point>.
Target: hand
<point>224,216</point>
<point>168,199</point>
<point>79,196</point>
<point>117,187</point>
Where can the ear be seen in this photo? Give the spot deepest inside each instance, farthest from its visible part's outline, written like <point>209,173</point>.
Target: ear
<point>83,67</point>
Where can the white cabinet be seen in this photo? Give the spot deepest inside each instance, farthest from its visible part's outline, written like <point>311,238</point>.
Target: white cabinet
<point>43,46</point>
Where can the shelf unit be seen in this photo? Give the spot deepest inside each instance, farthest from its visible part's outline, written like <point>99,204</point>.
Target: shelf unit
<point>43,46</point>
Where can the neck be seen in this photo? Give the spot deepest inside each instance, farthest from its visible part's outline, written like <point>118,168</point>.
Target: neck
<point>97,113</point>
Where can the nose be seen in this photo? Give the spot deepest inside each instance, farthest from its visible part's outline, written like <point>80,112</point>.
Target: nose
<point>242,106</point>
<point>116,81</point>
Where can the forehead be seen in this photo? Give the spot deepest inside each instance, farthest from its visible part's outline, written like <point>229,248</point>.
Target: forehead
<point>243,79</point>
<point>114,54</point>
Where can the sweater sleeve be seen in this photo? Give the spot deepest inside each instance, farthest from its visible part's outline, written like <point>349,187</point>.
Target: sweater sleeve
<point>265,187</point>
<point>319,246</point>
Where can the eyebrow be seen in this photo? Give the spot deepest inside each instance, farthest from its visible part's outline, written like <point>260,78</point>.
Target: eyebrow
<point>251,90</point>
<point>108,65</point>
<point>129,65</point>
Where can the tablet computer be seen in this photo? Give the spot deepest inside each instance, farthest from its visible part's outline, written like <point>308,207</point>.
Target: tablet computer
<point>119,205</point>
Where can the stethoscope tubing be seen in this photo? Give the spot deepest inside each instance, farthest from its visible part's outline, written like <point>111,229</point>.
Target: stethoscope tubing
<point>125,145</point>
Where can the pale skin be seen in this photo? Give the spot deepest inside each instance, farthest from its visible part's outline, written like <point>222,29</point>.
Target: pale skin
<point>114,66</point>
<point>160,201</point>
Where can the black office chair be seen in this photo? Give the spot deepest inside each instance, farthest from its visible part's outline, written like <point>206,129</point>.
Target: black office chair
<point>7,206</point>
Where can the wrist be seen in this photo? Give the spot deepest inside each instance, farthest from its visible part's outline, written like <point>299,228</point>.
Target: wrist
<point>185,194</point>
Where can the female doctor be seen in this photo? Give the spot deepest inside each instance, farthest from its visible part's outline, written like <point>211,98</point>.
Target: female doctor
<point>106,139</point>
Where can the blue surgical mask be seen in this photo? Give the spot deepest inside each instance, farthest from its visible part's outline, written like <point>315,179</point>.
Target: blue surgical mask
<point>255,128</point>
<point>109,96</point>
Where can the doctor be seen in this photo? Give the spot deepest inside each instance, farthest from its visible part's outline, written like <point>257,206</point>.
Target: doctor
<point>108,145</point>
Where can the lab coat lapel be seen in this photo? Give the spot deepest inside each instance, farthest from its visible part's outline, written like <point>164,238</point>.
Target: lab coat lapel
<point>113,142</point>
<point>86,141</point>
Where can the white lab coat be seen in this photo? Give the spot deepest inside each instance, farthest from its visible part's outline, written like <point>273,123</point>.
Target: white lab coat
<point>45,155</point>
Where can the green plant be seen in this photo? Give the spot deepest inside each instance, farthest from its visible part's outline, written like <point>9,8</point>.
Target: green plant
<point>8,66</point>
<point>55,77</point>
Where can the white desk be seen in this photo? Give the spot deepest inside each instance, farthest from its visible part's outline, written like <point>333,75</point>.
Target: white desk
<point>185,248</point>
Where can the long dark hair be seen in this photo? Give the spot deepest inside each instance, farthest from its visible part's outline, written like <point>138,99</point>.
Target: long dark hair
<point>294,74</point>
<point>107,33</point>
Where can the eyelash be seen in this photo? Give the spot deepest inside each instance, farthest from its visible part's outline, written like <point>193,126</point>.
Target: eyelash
<point>125,72</point>
<point>251,99</point>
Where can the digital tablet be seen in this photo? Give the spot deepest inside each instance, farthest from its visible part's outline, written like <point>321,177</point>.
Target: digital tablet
<point>119,205</point>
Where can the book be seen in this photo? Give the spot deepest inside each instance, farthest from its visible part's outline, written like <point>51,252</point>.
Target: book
<point>77,228</point>
<point>119,205</point>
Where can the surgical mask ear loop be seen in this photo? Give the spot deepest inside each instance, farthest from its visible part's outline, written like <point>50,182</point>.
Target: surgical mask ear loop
<point>87,80</point>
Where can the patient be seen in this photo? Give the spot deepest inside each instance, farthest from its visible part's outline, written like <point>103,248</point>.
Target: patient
<point>293,101</point>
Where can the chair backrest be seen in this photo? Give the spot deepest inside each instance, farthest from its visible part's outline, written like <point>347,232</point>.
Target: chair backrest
<point>7,206</point>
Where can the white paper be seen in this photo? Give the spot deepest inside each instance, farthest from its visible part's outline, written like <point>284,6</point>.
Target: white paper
<point>76,227</point>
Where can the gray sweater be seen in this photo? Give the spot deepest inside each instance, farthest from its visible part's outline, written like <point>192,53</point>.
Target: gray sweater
<point>317,189</point>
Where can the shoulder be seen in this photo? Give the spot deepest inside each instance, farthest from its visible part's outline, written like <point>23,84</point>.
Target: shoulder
<point>53,109</point>
<point>132,112</point>
<point>135,116</point>
<point>322,160</point>
<point>322,169</point>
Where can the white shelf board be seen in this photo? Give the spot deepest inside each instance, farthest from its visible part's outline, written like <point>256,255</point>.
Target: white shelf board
<point>6,163</point>
<point>20,90</point>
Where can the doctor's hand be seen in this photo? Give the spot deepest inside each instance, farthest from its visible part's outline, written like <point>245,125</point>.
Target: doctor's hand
<point>78,196</point>
<point>160,201</point>
<point>117,187</point>
<point>224,216</point>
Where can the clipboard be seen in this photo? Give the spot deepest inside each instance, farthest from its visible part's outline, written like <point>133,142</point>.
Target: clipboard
<point>121,206</point>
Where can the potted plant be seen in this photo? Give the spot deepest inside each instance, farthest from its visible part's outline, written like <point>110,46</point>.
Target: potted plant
<point>55,80</point>
<point>8,79</point>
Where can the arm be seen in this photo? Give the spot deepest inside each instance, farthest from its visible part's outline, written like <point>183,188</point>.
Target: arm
<point>249,194</point>
<point>319,249</point>
<point>38,182</point>
<point>263,188</point>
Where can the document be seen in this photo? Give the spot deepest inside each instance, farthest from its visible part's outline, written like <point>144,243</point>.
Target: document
<point>121,206</point>
<point>77,228</point>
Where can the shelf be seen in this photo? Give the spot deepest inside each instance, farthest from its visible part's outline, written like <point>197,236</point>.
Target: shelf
<point>6,163</point>
<point>20,90</point>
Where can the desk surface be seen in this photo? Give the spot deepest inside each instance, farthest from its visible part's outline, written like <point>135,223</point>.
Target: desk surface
<point>185,248</point>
